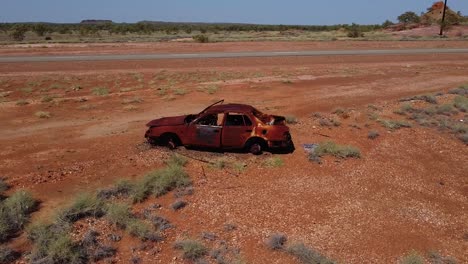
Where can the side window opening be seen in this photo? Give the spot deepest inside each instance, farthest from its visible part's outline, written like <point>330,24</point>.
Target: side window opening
<point>247,121</point>
<point>211,120</point>
<point>234,120</point>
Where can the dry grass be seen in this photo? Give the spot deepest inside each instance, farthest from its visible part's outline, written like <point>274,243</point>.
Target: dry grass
<point>42,114</point>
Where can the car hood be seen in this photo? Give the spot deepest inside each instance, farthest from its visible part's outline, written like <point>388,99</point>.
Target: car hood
<point>167,121</point>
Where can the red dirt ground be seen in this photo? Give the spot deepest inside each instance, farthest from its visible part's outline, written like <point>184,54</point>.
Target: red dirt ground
<point>408,191</point>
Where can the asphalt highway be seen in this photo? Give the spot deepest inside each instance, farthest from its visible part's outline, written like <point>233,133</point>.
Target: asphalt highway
<point>207,55</point>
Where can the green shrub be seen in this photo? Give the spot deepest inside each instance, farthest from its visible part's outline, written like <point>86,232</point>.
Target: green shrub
<point>47,99</point>
<point>307,255</point>
<point>100,91</point>
<point>160,182</point>
<point>132,100</point>
<point>273,162</point>
<point>461,103</point>
<point>14,213</point>
<point>219,163</point>
<point>177,160</point>
<point>355,31</point>
<point>463,138</point>
<point>373,134</point>
<point>394,124</point>
<point>3,186</point>
<point>54,245</point>
<point>191,249</point>
<point>445,109</point>
<point>412,258</point>
<point>211,89</point>
<point>8,255</point>
<point>276,241</point>
<point>201,38</point>
<point>22,102</point>
<point>180,91</point>
<point>462,90</point>
<point>121,188</point>
<point>118,214</point>
<point>333,149</point>
<point>85,205</point>
<point>138,228</point>
<point>42,114</point>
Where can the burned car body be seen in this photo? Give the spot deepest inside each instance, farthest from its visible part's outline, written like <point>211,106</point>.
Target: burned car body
<point>223,126</point>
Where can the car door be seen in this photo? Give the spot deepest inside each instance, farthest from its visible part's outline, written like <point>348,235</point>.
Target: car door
<point>237,129</point>
<point>206,131</point>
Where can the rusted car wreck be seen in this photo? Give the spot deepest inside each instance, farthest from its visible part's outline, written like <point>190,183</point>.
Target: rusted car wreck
<point>223,126</point>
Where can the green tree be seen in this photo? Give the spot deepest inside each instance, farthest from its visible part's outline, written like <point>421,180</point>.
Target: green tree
<point>409,17</point>
<point>18,32</point>
<point>387,24</point>
<point>40,29</point>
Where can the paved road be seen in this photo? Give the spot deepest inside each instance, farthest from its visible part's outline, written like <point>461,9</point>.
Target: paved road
<point>228,55</point>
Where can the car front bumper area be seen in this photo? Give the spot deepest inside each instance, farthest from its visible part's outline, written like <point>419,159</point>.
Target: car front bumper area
<point>286,144</point>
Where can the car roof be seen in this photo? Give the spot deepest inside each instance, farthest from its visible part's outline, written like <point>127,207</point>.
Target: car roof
<point>242,108</point>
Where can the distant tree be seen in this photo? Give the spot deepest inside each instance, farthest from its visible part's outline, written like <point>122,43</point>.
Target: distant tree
<point>409,17</point>
<point>201,38</point>
<point>387,24</point>
<point>354,31</point>
<point>18,32</point>
<point>40,29</point>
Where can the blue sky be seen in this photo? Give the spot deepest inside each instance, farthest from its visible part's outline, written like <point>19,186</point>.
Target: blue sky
<point>304,12</point>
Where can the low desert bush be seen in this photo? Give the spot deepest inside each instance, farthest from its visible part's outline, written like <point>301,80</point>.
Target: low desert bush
<point>462,90</point>
<point>160,182</point>
<point>191,249</point>
<point>15,213</point>
<point>394,124</point>
<point>42,114</point>
<point>7,255</point>
<point>461,103</point>
<point>100,91</point>
<point>220,163</point>
<point>276,241</point>
<point>177,205</point>
<point>201,38</point>
<point>373,134</point>
<point>211,89</point>
<point>463,138</point>
<point>177,160</point>
<point>138,228</point>
<point>273,162</point>
<point>118,214</point>
<point>47,99</point>
<point>429,98</point>
<point>333,149</point>
<point>412,258</point>
<point>436,258</point>
<point>3,186</point>
<point>134,100</point>
<point>121,188</point>
<point>54,245</point>
<point>84,205</point>
<point>307,255</point>
<point>22,102</point>
<point>180,91</point>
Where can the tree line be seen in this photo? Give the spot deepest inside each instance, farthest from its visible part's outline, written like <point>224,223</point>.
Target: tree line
<point>18,30</point>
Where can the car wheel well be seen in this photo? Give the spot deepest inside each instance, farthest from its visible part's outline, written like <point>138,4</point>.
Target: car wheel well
<point>256,145</point>
<point>168,137</point>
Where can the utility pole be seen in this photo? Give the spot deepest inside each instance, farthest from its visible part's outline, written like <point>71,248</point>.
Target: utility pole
<point>442,23</point>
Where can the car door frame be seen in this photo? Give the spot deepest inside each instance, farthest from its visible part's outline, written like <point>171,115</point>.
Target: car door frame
<point>205,135</point>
